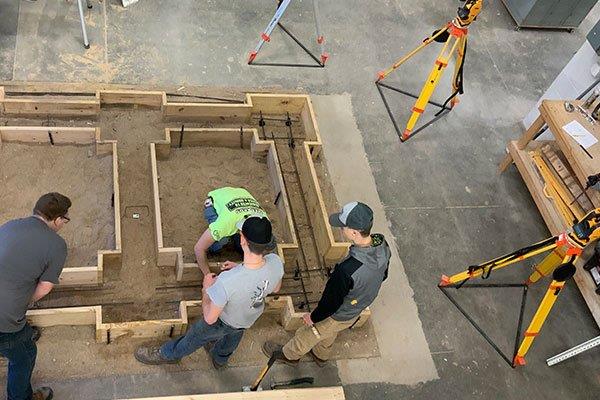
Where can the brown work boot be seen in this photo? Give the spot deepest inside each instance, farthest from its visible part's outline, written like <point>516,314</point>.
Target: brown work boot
<point>319,361</point>
<point>151,355</point>
<point>271,348</point>
<point>43,393</point>
<point>208,347</point>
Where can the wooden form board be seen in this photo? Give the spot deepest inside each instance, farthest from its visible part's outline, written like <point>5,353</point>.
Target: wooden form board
<point>328,393</point>
<point>66,104</point>
<point>225,137</point>
<point>84,275</point>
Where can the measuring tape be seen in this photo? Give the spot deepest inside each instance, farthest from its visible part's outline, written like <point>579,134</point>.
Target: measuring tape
<point>590,344</point>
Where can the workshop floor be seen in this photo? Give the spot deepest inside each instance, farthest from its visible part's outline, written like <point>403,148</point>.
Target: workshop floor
<point>446,206</point>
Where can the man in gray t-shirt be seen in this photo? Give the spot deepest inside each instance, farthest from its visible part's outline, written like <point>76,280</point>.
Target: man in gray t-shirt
<point>231,302</point>
<point>32,256</point>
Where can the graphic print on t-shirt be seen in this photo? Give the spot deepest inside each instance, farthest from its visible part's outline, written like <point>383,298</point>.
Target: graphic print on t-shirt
<point>243,204</point>
<point>260,294</point>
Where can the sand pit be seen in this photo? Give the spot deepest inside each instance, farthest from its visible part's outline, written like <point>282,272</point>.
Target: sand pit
<point>30,170</point>
<point>182,195</point>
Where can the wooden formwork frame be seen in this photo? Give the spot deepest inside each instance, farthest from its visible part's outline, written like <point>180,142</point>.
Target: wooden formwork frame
<point>88,104</point>
<point>324,393</point>
<point>220,137</point>
<point>84,275</point>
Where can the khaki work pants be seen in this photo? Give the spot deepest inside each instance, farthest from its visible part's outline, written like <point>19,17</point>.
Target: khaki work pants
<point>305,339</point>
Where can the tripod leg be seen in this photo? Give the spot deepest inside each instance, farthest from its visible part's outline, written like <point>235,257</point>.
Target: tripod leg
<point>266,35</point>
<point>501,262</point>
<point>560,276</point>
<point>382,74</point>
<point>432,81</point>
<point>547,265</point>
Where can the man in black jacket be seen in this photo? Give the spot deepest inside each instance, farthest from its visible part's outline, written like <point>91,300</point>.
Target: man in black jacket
<point>352,287</point>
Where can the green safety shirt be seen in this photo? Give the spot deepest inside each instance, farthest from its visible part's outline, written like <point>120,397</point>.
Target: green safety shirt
<point>232,205</point>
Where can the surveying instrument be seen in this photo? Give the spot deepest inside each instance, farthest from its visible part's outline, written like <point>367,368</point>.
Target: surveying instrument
<point>565,250</point>
<point>454,37</point>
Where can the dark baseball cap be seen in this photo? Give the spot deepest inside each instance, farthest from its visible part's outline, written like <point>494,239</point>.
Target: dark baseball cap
<point>257,229</point>
<point>354,215</point>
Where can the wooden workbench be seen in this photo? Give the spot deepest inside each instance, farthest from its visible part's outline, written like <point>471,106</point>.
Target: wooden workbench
<point>554,115</point>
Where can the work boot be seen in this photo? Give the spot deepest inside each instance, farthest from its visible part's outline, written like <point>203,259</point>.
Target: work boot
<point>319,361</point>
<point>271,348</point>
<point>151,355</point>
<point>43,393</point>
<point>208,347</point>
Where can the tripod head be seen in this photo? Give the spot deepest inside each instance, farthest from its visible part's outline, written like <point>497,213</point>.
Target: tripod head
<point>468,12</point>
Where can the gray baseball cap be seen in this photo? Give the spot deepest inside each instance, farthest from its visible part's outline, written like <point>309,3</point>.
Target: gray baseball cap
<point>354,215</point>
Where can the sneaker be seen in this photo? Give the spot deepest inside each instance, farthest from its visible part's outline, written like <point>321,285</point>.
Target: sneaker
<point>151,355</point>
<point>273,349</point>
<point>208,347</point>
<point>43,393</point>
<point>319,361</point>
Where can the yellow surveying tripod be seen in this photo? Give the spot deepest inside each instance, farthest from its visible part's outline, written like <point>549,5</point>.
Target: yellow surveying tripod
<point>454,37</point>
<point>564,250</point>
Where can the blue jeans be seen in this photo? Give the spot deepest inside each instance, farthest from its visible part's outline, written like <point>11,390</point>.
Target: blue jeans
<point>21,352</point>
<point>226,340</point>
<point>210,215</point>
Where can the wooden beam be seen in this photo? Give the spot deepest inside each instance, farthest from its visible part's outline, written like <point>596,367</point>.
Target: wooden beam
<point>319,218</point>
<point>215,137</point>
<point>117,195</point>
<point>150,99</point>
<point>53,106</point>
<point>277,103</point>
<point>63,316</point>
<point>41,134</point>
<point>145,329</point>
<point>527,137</point>
<point>78,276</point>
<point>330,393</point>
<point>207,110</point>
<point>156,197</point>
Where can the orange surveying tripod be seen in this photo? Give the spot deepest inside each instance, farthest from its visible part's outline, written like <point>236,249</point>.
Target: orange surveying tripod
<point>454,37</point>
<point>565,249</point>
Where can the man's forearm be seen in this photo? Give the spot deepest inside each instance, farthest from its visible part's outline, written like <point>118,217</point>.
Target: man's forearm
<point>41,290</point>
<point>205,302</point>
<point>202,261</point>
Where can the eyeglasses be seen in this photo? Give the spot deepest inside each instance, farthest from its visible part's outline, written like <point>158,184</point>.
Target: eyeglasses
<point>67,219</point>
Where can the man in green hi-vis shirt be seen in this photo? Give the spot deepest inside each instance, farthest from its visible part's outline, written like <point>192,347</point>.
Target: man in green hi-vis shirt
<point>223,209</point>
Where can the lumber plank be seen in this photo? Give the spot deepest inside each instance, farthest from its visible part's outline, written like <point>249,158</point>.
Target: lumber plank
<point>534,183</point>
<point>59,107</point>
<point>117,195</point>
<point>330,393</point>
<point>156,198</point>
<point>78,276</point>
<point>167,256</point>
<point>40,134</point>
<point>63,316</point>
<point>151,99</point>
<point>326,244</point>
<point>277,103</point>
<point>215,137</point>
<point>206,110</point>
<point>145,329</point>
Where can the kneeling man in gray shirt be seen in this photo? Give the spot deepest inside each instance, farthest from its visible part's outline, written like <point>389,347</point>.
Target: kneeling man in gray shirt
<point>32,256</point>
<point>231,302</point>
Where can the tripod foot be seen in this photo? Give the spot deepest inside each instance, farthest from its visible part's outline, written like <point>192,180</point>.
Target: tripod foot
<point>380,76</point>
<point>445,281</point>
<point>251,56</point>
<point>519,361</point>
<point>405,135</point>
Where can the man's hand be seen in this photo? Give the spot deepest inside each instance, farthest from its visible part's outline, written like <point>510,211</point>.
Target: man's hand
<point>227,265</point>
<point>209,280</point>
<point>307,320</point>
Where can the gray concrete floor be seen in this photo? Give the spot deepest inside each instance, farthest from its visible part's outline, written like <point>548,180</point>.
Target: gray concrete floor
<point>446,205</point>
